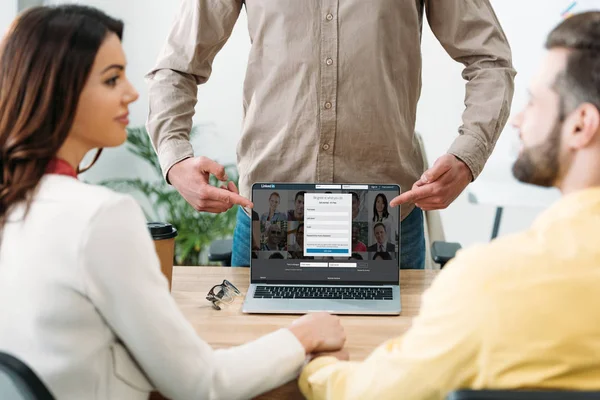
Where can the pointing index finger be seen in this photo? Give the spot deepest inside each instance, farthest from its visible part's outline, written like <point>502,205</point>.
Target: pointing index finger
<point>229,197</point>
<point>411,196</point>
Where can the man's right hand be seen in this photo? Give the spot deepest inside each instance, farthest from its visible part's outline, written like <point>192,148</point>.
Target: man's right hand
<point>319,332</point>
<point>191,179</point>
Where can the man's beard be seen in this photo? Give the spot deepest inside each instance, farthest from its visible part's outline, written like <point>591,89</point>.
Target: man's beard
<point>539,165</point>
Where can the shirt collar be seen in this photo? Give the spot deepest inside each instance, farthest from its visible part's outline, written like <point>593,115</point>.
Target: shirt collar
<point>60,167</point>
<point>585,201</point>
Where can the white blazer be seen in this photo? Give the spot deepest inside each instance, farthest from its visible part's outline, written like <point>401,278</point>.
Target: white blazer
<point>84,304</point>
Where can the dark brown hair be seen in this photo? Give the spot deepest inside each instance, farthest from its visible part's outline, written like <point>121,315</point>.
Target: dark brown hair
<point>580,81</point>
<point>45,60</point>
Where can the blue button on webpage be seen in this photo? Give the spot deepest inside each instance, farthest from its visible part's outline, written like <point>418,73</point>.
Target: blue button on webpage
<point>328,251</point>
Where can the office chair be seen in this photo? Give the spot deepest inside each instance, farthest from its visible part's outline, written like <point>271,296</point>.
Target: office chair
<point>19,382</point>
<point>220,251</point>
<point>522,395</point>
<point>437,249</point>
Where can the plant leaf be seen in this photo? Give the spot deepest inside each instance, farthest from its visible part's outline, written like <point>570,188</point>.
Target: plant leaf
<point>196,230</point>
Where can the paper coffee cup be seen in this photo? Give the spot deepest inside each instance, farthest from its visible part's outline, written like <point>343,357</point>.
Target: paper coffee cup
<point>164,235</point>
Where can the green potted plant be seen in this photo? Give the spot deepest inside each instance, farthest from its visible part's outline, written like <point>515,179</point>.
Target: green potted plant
<point>196,229</point>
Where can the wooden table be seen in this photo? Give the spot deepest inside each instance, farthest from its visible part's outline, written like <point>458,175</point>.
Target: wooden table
<point>230,327</point>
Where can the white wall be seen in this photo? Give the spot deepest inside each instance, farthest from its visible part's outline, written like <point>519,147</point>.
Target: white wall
<point>8,11</point>
<point>219,110</point>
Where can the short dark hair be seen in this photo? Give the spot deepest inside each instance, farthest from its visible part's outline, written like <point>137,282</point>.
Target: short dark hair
<point>299,194</point>
<point>383,255</point>
<point>379,224</point>
<point>276,256</point>
<point>355,195</point>
<point>580,81</point>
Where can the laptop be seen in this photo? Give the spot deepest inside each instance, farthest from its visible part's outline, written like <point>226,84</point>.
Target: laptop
<point>324,247</point>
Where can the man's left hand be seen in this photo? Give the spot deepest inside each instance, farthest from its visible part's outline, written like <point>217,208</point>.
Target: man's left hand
<point>439,186</point>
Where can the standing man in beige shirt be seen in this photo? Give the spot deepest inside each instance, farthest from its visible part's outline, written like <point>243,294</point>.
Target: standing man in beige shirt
<point>332,85</point>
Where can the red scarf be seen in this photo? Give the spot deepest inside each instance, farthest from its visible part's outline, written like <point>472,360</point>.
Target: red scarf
<point>60,167</point>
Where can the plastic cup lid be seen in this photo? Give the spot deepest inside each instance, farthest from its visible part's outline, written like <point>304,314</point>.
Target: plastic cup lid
<point>161,230</point>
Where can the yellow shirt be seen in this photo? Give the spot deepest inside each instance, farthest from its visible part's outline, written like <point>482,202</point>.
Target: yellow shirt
<point>522,311</point>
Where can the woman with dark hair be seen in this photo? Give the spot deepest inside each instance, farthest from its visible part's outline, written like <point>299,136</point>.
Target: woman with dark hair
<point>381,214</point>
<point>380,208</point>
<point>82,298</point>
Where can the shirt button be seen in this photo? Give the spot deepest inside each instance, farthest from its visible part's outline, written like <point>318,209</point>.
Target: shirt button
<point>329,61</point>
<point>329,17</point>
<point>325,147</point>
<point>328,105</point>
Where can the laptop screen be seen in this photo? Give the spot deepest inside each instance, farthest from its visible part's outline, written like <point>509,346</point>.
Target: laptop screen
<point>325,233</point>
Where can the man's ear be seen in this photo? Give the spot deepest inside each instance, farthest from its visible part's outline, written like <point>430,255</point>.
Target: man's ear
<point>583,126</point>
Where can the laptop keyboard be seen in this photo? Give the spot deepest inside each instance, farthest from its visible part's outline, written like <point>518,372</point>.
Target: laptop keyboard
<point>317,292</point>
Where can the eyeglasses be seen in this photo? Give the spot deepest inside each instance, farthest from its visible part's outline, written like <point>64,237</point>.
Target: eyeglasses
<point>223,293</point>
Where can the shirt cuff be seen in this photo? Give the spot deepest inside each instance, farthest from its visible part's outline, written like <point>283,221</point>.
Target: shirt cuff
<point>285,336</point>
<point>173,152</point>
<point>310,369</point>
<point>290,356</point>
<point>470,150</point>
<point>257,366</point>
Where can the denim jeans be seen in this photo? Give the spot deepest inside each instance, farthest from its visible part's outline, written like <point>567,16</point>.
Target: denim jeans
<point>240,253</point>
<point>412,241</point>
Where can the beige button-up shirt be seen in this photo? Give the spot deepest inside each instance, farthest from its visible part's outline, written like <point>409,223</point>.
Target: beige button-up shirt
<point>332,86</point>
